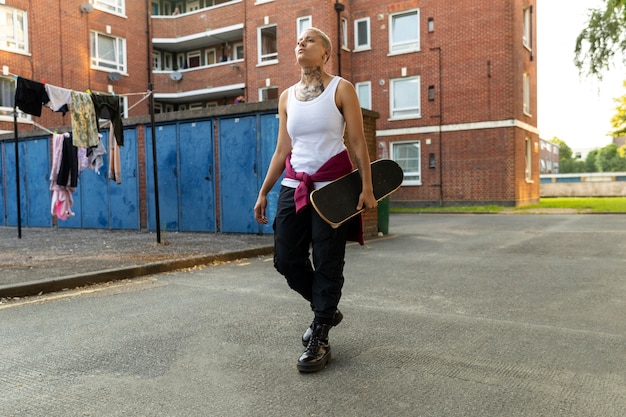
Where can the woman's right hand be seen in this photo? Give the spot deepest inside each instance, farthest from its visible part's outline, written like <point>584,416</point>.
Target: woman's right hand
<point>259,210</point>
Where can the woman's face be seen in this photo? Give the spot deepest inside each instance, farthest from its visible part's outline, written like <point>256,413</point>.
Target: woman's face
<point>310,49</point>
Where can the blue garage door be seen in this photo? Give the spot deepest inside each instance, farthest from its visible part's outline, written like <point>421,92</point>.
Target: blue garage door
<point>11,188</point>
<point>238,176</point>
<point>37,169</point>
<point>197,189</point>
<point>185,165</point>
<point>246,148</point>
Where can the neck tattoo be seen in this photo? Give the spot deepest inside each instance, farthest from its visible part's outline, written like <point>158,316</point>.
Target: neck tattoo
<point>311,85</point>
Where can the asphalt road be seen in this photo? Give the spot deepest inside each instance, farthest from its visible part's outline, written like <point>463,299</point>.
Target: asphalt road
<point>452,315</point>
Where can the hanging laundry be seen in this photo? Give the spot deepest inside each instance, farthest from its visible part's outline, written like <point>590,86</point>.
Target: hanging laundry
<point>108,107</point>
<point>95,156</point>
<point>115,162</point>
<point>68,169</point>
<point>30,96</point>
<point>84,121</point>
<point>62,200</point>
<point>60,98</point>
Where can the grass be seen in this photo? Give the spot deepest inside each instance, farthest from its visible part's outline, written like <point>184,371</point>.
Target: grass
<point>578,204</point>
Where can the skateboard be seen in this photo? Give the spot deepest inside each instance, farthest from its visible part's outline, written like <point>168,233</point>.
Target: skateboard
<point>336,202</point>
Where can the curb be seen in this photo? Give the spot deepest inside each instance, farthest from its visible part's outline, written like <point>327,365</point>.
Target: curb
<point>31,288</point>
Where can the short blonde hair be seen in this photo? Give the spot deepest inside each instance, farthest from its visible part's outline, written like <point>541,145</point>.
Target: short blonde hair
<point>325,39</point>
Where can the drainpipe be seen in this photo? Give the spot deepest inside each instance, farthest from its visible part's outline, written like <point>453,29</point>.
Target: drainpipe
<point>339,8</point>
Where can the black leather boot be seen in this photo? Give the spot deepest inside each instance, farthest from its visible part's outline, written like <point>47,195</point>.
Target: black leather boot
<point>309,330</point>
<point>317,353</point>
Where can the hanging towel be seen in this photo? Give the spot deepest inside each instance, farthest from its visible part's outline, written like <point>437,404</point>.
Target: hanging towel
<point>108,107</point>
<point>60,98</point>
<point>84,122</point>
<point>115,163</point>
<point>30,96</point>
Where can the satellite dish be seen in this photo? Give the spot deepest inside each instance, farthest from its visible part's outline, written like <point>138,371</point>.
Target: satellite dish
<point>115,76</point>
<point>86,7</point>
<point>176,76</point>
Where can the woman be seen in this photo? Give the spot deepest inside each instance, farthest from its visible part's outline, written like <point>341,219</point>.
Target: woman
<point>310,149</point>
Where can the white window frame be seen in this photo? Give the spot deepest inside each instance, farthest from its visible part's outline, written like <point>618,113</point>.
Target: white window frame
<point>364,101</point>
<point>168,61</point>
<point>526,35</point>
<point>207,56</point>
<point>528,170</point>
<point>344,33</point>
<point>102,63</point>
<point>412,170</point>
<point>526,93</point>
<point>397,112</point>
<point>406,46</point>
<point>269,58</point>
<point>181,61</point>
<point>192,6</point>
<point>237,47</point>
<point>194,54</point>
<point>357,42</point>
<point>18,40</point>
<point>262,92</point>
<point>302,23</point>
<point>157,62</point>
<point>110,6</point>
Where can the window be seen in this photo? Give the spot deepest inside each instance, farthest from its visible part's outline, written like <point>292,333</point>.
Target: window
<point>192,6</point>
<point>405,98</point>
<point>404,32</point>
<point>181,61</point>
<point>362,34</point>
<point>529,160</point>
<point>407,155</point>
<point>344,32</point>
<point>527,35</point>
<point>268,93</point>
<point>238,50</point>
<point>13,29</point>
<point>210,56</point>
<point>7,93</point>
<point>156,60</point>
<point>168,63</point>
<point>364,91</point>
<point>193,59</point>
<point>431,93</point>
<point>111,6</point>
<point>526,93</point>
<point>302,23</point>
<point>108,52</point>
<point>268,49</point>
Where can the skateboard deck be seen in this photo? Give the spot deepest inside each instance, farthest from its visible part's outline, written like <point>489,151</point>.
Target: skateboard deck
<point>336,202</point>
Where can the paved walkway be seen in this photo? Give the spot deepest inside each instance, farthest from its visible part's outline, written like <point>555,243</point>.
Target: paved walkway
<point>451,315</point>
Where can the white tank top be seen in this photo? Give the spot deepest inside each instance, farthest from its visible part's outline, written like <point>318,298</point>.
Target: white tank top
<point>316,129</point>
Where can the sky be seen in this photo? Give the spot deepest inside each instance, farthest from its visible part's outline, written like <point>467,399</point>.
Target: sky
<point>575,109</point>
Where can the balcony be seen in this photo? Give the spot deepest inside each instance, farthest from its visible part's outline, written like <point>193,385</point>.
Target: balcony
<point>191,29</point>
<point>200,84</point>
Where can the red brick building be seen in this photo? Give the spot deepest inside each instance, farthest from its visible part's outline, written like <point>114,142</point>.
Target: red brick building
<point>455,86</point>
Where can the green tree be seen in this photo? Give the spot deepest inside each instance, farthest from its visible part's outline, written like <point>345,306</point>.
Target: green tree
<point>609,159</point>
<point>565,152</point>
<point>602,38</point>
<point>590,161</point>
